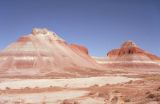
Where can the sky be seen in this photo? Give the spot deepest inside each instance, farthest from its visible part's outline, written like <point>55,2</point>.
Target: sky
<point>100,25</point>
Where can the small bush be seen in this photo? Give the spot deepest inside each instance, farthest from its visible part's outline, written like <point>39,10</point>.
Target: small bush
<point>116,91</point>
<point>51,86</point>
<point>130,82</point>
<point>101,94</point>
<point>127,100</point>
<point>151,96</point>
<point>148,92</point>
<point>36,87</point>
<point>158,89</point>
<point>26,88</point>
<point>157,99</point>
<point>43,102</point>
<point>69,102</point>
<point>91,93</point>
<point>96,85</point>
<point>7,88</point>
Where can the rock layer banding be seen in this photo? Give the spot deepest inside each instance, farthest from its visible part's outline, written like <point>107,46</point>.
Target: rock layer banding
<point>129,51</point>
<point>42,53</point>
<point>130,56</point>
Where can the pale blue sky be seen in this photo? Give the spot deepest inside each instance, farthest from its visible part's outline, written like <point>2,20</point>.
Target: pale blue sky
<point>100,25</point>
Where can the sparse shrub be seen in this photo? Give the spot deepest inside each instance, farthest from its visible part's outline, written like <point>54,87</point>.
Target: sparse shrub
<point>127,100</point>
<point>158,89</point>
<point>65,101</point>
<point>94,86</point>
<point>114,99</point>
<point>69,102</point>
<point>91,93</point>
<point>148,92</point>
<point>157,99</point>
<point>116,91</point>
<point>75,102</point>
<point>101,94</point>
<point>26,89</point>
<point>107,84</point>
<point>7,88</point>
<point>130,82</point>
<point>50,86</point>
<point>43,102</point>
<point>151,96</point>
<point>36,87</point>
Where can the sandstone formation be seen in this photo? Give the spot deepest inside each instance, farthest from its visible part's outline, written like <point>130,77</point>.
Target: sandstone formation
<point>79,48</point>
<point>131,57</point>
<point>44,53</point>
<point>129,51</point>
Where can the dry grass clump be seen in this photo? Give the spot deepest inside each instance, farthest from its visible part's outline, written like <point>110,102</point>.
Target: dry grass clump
<point>158,89</point>
<point>94,86</point>
<point>102,94</point>
<point>154,96</point>
<point>92,93</point>
<point>127,100</point>
<point>151,96</point>
<point>66,101</point>
<point>148,92</point>
<point>116,91</point>
<point>7,88</point>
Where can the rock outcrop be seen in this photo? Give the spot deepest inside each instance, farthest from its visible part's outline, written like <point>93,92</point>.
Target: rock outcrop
<point>130,58</point>
<point>44,53</point>
<point>129,51</point>
<point>80,48</point>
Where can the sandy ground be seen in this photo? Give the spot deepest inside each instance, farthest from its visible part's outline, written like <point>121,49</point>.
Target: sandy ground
<point>126,89</point>
<point>38,98</point>
<point>13,91</point>
<point>71,83</point>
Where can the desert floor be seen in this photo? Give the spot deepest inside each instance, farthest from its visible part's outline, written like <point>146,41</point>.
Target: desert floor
<point>109,89</point>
